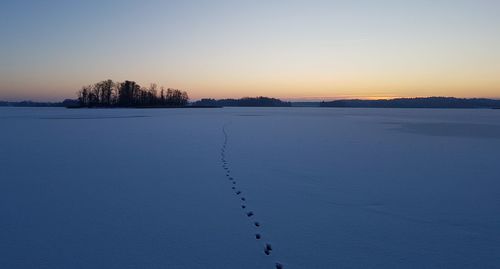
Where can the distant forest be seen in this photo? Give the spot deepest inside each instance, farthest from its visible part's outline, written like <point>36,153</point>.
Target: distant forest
<point>67,102</point>
<point>247,101</point>
<point>130,94</point>
<point>427,102</point>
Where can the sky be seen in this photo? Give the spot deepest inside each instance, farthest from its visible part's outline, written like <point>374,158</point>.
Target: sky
<point>294,50</point>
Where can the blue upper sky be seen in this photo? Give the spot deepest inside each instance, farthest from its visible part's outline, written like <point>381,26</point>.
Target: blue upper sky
<point>289,49</point>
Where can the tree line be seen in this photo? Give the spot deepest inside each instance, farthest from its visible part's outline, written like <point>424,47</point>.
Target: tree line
<point>108,93</point>
<point>246,101</point>
<point>421,102</point>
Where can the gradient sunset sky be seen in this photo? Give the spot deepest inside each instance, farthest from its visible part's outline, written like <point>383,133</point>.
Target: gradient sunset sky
<point>286,49</point>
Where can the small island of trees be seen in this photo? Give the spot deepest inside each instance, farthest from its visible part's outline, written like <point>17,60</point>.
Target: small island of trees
<point>260,101</point>
<point>108,93</point>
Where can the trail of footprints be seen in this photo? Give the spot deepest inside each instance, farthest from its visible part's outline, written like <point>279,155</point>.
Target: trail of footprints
<point>249,213</point>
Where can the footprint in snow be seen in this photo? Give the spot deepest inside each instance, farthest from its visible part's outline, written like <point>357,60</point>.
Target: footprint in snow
<point>268,249</point>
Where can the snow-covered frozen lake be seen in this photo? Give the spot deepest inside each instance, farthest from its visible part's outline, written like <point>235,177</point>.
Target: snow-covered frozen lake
<point>330,188</point>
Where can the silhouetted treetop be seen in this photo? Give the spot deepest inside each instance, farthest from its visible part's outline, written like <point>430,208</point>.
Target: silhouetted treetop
<point>130,94</point>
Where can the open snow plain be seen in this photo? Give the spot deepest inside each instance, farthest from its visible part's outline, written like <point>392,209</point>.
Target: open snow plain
<point>328,188</point>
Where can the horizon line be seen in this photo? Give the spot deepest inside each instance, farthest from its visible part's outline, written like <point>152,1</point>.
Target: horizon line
<point>289,99</point>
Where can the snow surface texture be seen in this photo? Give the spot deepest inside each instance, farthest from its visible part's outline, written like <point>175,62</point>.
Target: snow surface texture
<point>328,187</point>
